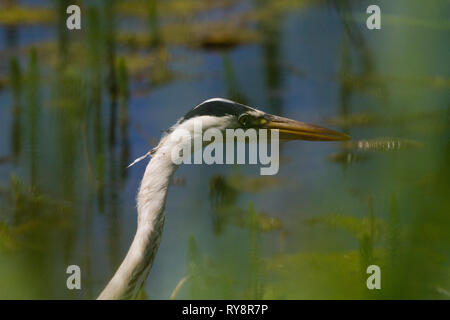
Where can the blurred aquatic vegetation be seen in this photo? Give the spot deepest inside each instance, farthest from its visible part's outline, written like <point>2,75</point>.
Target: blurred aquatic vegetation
<point>204,278</point>
<point>14,14</point>
<point>6,159</point>
<point>153,66</point>
<point>317,276</point>
<point>355,51</point>
<point>358,227</point>
<point>61,102</point>
<point>220,192</point>
<point>124,95</point>
<point>221,195</point>
<point>3,82</point>
<point>356,119</point>
<point>409,244</point>
<point>24,198</point>
<point>67,105</point>
<point>16,83</point>
<point>201,33</point>
<point>69,96</point>
<point>27,213</point>
<point>174,8</point>
<point>374,119</point>
<point>267,11</point>
<point>231,80</point>
<point>255,286</point>
<point>224,192</point>
<point>223,277</point>
<point>32,94</point>
<point>123,80</point>
<point>215,35</point>
<point>375,80</point>
<point>7,237</point>
<point>253,184</point>
<point>155,37</point>
<point>222,36</point>
<point>317,273</point>
<point>345,157</point>
<point>260,220</point>
<point>142,295</point>
<point>342,274</point>
<point>219,34</point>
<point>197,33</point>
<point>16,237</point>
<point>207,34</point>
<point>178,181</point>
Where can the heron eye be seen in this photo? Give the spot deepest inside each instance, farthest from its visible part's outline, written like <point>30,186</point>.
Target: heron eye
<point>244,119</point>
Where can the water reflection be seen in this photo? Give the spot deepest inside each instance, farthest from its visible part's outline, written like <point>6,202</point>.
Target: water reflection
<point>15,76</point>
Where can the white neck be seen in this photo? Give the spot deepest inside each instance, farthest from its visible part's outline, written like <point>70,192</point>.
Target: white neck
<point>151,199</point>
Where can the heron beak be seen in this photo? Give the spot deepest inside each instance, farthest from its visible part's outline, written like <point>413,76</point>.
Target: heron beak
<point>295,130</point>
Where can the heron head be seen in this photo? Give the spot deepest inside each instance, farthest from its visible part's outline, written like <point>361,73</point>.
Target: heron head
<point>226,114</point>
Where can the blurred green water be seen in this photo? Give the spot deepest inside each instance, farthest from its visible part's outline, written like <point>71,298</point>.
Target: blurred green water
<point>78,106</point>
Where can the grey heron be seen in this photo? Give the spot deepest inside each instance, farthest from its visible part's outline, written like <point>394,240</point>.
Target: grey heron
<point>214,113</point>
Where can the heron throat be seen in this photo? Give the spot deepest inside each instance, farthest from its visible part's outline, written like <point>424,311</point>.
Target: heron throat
<point>151,199</point>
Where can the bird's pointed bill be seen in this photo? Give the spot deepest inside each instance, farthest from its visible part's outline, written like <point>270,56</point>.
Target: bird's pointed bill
<point>296,130</point>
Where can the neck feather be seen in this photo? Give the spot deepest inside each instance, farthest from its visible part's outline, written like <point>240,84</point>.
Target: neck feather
<point>151,199</point>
